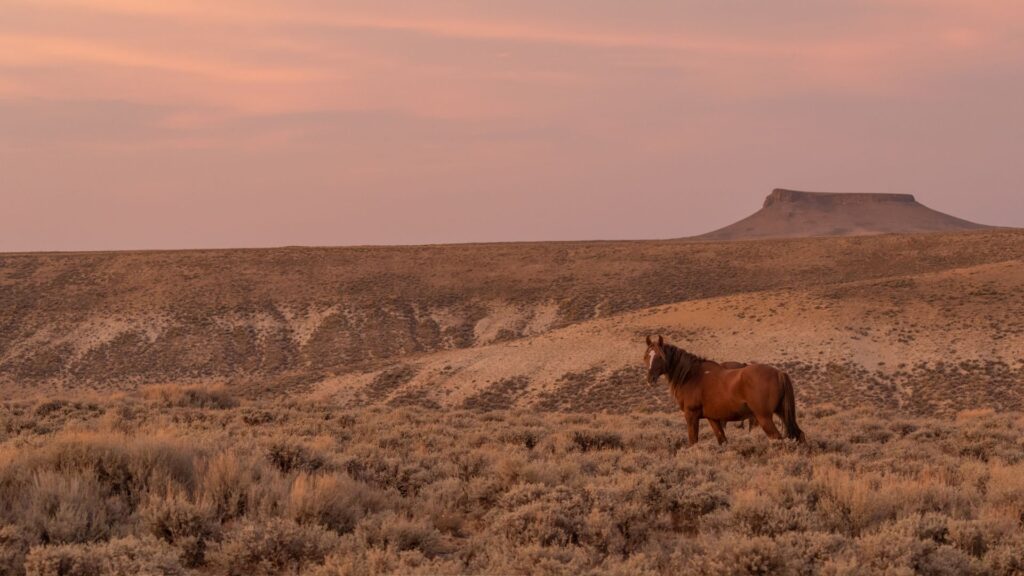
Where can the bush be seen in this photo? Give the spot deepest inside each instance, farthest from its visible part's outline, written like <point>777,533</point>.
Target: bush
<point>394,532</point>
<point>356,560</point>
<point>621,530</point>
<point>755,513</point>
<point>737,555</point>
<point>118,466</point>
<point>66,508</point>
<point>129,556</point>
<point>234,486</point>
<point>536,514</point>
<point>1006,558</point>
<point>272,547</point>
<point>182,523</point>
<point>335,501</point>
<point>290,456</point>
<point>689,503</point>
<point>14,545</point>
<point>215,397</point>
<point>587,440</point>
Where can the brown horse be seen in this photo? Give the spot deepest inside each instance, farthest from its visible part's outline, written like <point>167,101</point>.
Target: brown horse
<point>706,389</point>
<point>750,422</point>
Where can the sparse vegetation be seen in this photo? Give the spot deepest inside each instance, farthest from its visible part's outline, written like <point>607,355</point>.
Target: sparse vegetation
<point>277,320</point>
<point>139,485</point>
<point>437,410</point>
<point>197,396</point>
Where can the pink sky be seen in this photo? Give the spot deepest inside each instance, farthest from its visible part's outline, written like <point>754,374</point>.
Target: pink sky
<point>129,124</point>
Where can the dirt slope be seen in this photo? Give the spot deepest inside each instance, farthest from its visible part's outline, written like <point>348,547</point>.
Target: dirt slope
<point>929,343</point>
<point>282,320</point>
<point>794,214</point>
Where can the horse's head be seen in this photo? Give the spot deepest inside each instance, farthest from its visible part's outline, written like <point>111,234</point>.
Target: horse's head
<point>654,359</point>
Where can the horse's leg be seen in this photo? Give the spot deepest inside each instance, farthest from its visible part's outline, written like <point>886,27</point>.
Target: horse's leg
<point>768,425</point>
<point>750,423</point>
<point>716,425</point>
<point>692,425</point>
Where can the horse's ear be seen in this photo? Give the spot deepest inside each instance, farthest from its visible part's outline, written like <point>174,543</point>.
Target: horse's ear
<point>649,340</point>
<point>659,348</point>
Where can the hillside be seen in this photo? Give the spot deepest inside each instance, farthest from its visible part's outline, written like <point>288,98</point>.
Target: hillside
<point>924,344</point>
<point>281,320</point>
<point>795,214</point>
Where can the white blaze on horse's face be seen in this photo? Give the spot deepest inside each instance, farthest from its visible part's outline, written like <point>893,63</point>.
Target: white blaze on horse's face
<point>652,377</point>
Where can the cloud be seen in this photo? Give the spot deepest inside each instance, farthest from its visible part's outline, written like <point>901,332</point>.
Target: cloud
<point>264,57</point>
<point>30,50</point>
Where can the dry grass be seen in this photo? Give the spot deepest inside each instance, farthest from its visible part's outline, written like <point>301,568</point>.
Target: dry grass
<point>141,485</point>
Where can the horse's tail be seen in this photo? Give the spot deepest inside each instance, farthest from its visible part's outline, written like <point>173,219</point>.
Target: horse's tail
<point>789,409</point>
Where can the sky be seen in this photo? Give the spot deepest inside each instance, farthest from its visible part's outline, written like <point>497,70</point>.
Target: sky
<point>147,124</point>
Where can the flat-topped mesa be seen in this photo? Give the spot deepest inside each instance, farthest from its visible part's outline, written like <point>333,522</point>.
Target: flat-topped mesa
<point>782,195</point>
<point>794,214</point>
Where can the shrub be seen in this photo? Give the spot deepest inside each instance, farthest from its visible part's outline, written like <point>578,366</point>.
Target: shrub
<point>356,560</point>
<point>447,504</point>
<point>182,523</point>
<point>290,456</point>
<point>892,550</point>
<point>688,504</point>
<point>587,440</point>
<point>527,438</point>
<point>272,547</point>
<point>335,501</point>
<point>121,466</point>
<point>807,552</point>
<point>15,542</point>
<point>128,556</point>
<point>401,534</point>
<point>1006,558</point>
<point>387,469</point>
<point>216,396</point>
<point>624,514</point>
<point>45,408</point>
<point>737,555</point>
<point>536,514</point>
<point>621,529</point>
<point>66,508</point>
<point>755,513</point>
<point>234,486</point>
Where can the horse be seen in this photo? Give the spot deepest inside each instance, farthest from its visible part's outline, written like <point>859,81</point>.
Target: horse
<point>750,422</point>
<point>706,389</point>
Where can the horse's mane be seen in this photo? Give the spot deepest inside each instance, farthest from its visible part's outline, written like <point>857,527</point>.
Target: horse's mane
<point>679,364</point>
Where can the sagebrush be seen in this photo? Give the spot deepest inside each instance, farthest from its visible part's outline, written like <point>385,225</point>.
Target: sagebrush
<point>140,484</point>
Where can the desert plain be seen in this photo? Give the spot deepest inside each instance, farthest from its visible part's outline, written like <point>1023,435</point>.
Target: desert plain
<point>481,409</point>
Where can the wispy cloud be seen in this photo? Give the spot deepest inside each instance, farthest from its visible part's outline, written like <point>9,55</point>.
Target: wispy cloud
<point>306,40</point>
<point>30,50</point>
